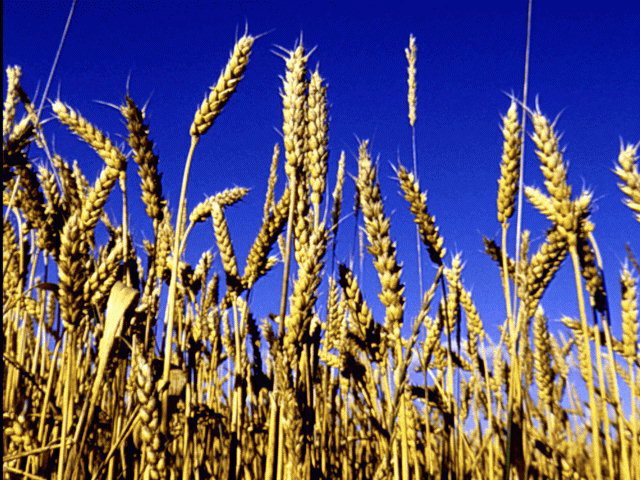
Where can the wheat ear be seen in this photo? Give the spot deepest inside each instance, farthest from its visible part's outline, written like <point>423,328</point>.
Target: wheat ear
<point>225,247</point>
<point>153,460</point>
<point>361,314</point>
<point>90,134</point>
<point>304,295</point>
<point>629,304</point>
<point>317,140</point>
<point>336,209</point>
<point>555,174</point>
<point>145,158</point>
<point>269,198</point>
<point>412,55</point>
<point>221,92</point>
<point>11,100</point>
<point>542,362</point>
<point>541,201</point>
<point>71,272</point>
<point>627,171</point>
<point>510,165</point>
<point>429,232</point>
<point>381,247</point>
<point>272,227</point>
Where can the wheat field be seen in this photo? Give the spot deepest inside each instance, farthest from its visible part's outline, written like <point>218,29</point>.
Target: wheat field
<point>122,360</point>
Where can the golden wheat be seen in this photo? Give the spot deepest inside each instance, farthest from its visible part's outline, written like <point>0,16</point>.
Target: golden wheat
<point>314,389</point>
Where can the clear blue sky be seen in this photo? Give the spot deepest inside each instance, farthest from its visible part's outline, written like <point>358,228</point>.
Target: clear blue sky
<point>585,64</point>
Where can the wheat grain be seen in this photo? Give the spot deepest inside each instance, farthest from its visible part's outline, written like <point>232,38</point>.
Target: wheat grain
<point>540,201</point>
<point>494,251</point>
<point>81,181</point>
<point>337,196</point>
<point>71,197</point>
<point>30,198</point>
<point>20,138</point>
<point>50,190</point>
<point>335,313</point>
<point>34,118</point>
<point>103,278</point>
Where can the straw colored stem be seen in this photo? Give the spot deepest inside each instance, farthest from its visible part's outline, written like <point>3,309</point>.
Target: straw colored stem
<point>287,256</point>
<point>595,421</point>
<point>171,300</point>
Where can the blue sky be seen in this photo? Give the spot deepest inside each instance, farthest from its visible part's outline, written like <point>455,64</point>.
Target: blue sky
<point>585,64</point>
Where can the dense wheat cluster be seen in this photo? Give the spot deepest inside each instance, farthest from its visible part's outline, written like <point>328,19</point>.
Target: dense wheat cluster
<point>95,386</point>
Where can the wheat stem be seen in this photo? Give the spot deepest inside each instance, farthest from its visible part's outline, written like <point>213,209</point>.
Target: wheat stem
<point>173,286</point>
<point>595,422</point>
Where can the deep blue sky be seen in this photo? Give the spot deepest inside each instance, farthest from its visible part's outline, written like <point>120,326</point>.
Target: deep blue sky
<point>585,64</point>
